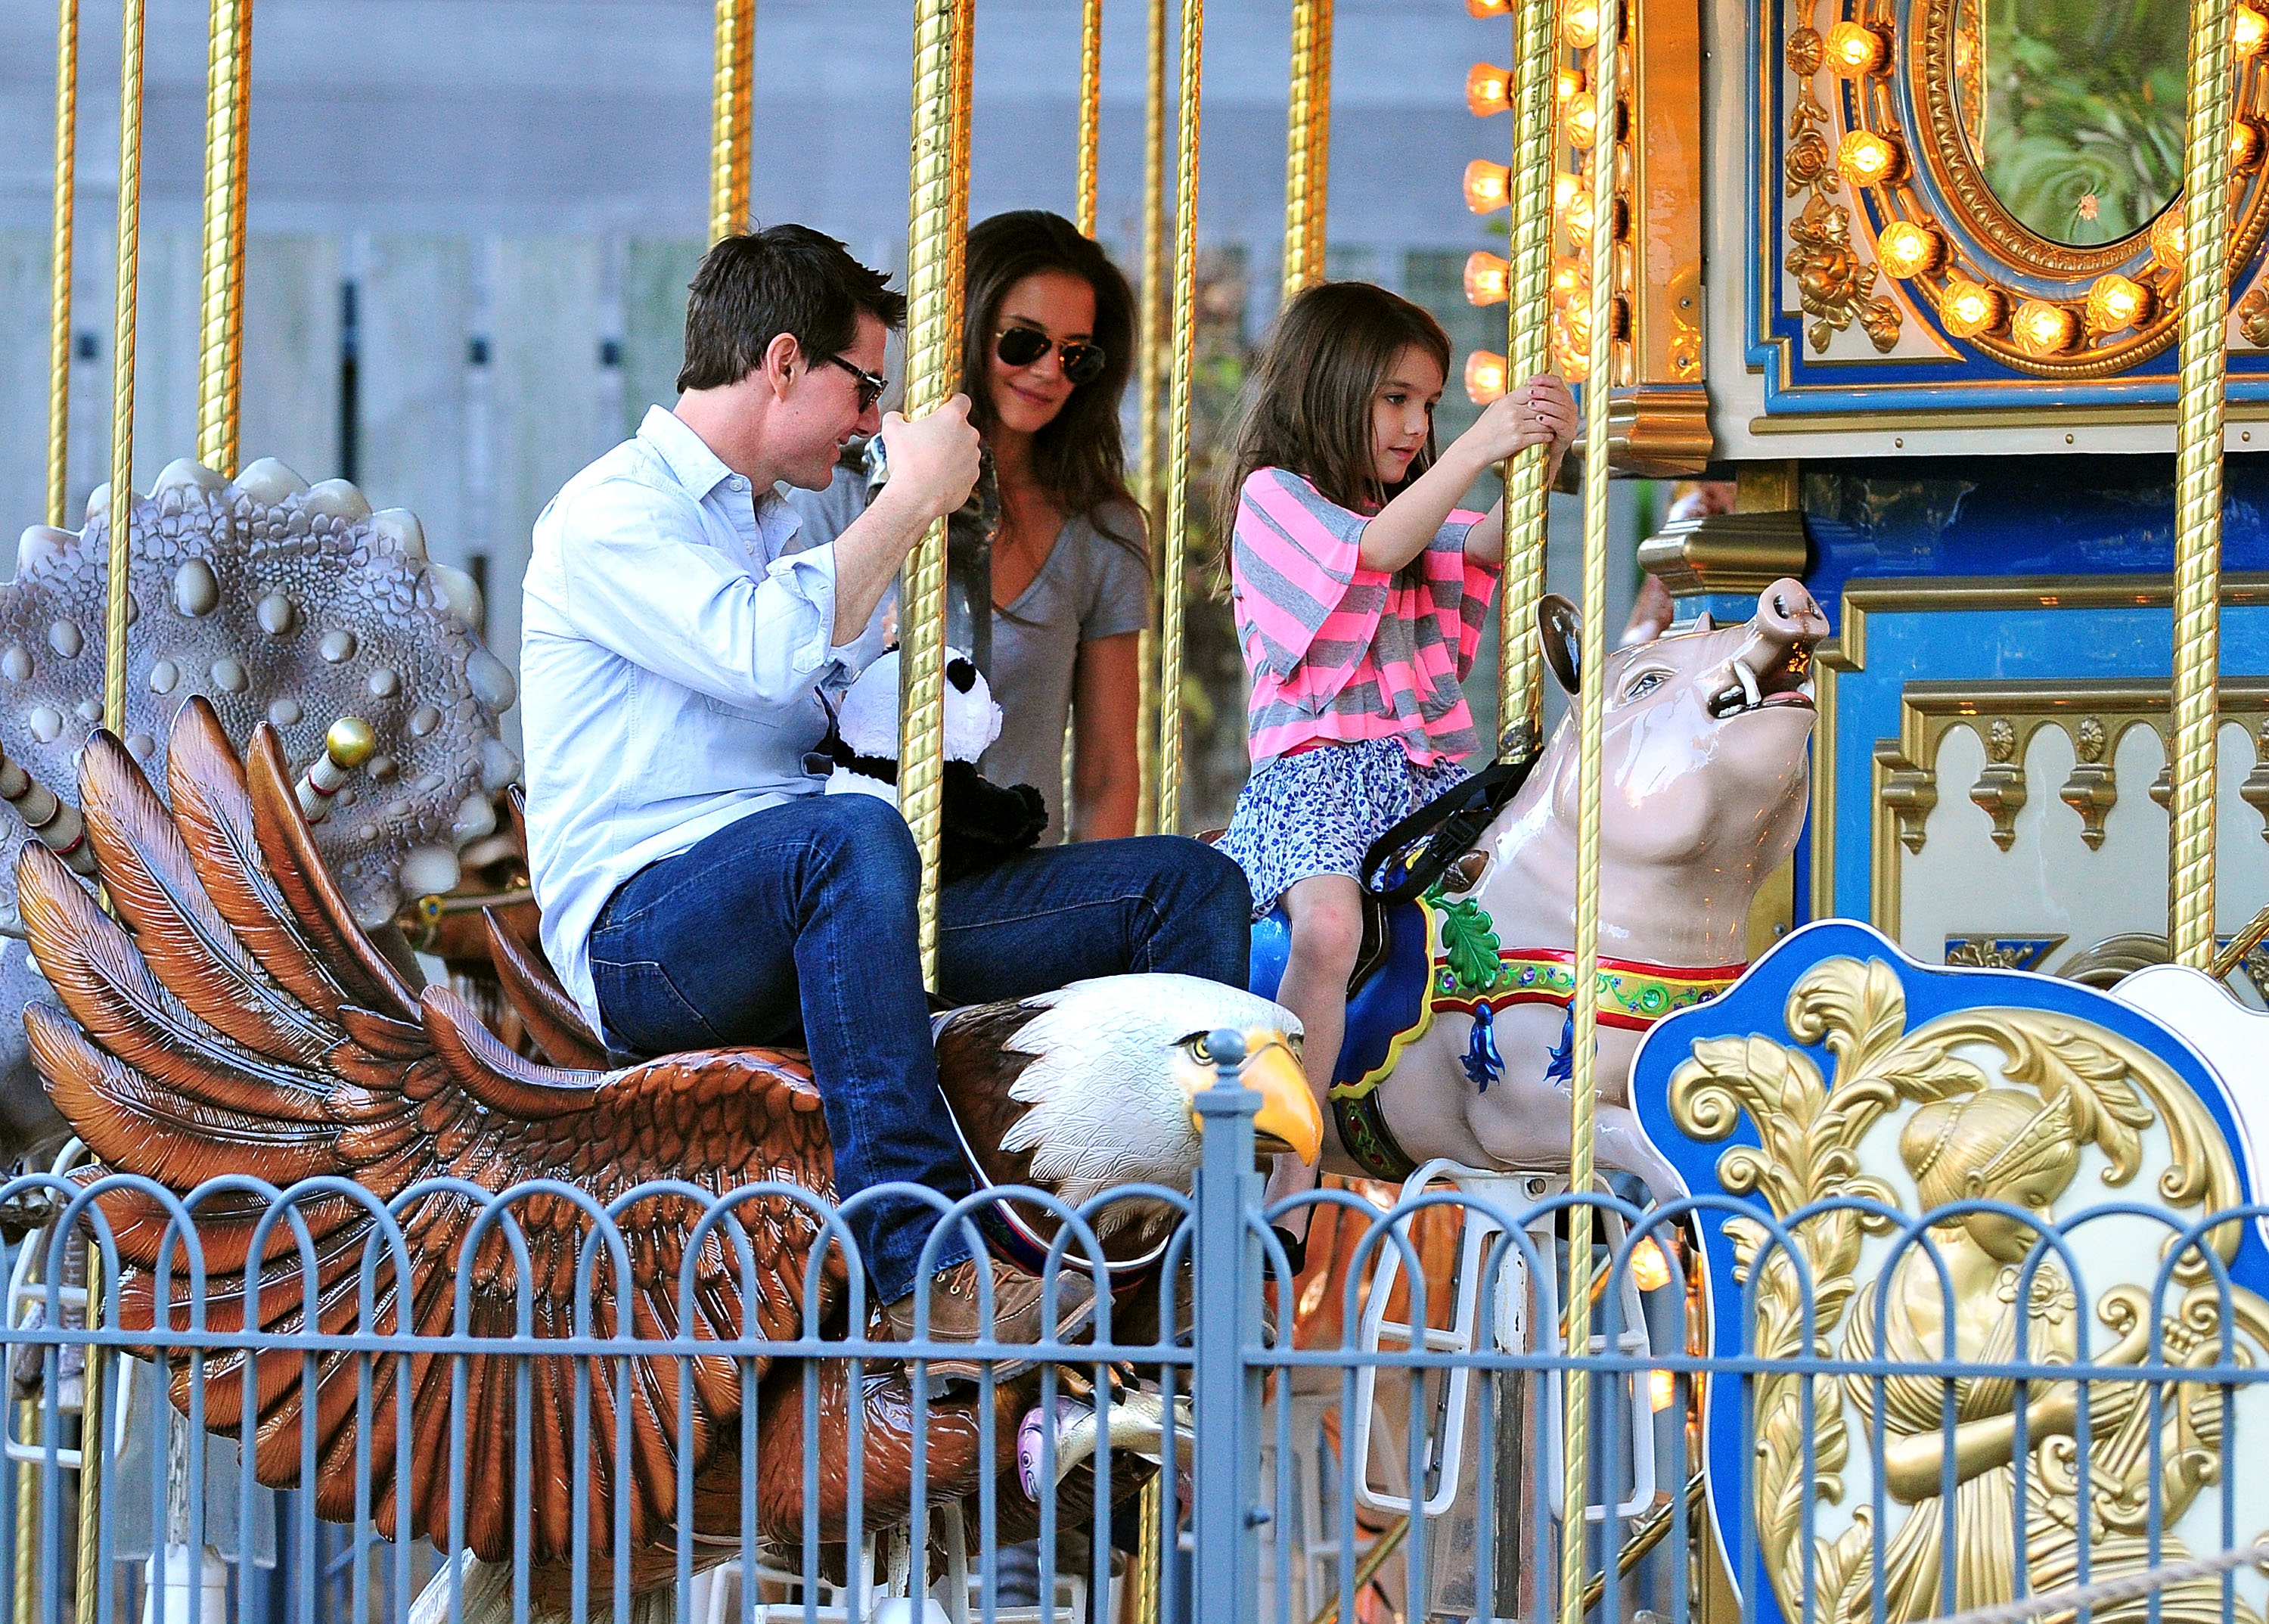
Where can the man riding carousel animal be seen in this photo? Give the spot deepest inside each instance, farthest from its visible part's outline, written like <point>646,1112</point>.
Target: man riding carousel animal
<point>682,660</point>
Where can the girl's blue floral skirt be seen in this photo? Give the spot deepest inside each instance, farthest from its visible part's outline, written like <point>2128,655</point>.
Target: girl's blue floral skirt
<point>1318,812</point>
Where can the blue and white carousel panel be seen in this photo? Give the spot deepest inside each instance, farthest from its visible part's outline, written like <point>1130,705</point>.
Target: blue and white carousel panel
<point>1839,1092</point>
<point>2039,842</point>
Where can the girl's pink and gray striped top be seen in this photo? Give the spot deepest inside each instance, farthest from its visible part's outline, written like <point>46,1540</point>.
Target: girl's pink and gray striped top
<point>1339,653</point>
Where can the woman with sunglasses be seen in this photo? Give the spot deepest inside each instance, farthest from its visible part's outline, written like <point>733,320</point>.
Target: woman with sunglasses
<point>1047,354</point>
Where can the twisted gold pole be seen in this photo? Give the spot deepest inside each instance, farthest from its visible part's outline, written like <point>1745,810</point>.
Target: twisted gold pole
<point>1528,320</point>
<point>1149,388</point>
<point>1090,112</point>
<point>731,90</point>
<point>90,1440</point>
<point>957,239</point>
<point>933,371</point>
<point>1303,197</point>
<point>59,286</point>
<point>228,57</point>
<point>1599,638</point>
<point>2197,484</point>
<point>1173,621</point>
<point>121,378</point>
<point>25,1599</point>
<point>232,344</point>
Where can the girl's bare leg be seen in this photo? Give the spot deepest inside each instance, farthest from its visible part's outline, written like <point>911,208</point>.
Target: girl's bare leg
<point>1327,915</point>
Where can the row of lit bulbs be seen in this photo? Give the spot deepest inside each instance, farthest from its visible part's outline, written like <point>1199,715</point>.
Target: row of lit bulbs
<point>1488,187</point>
<point>2041,328</point>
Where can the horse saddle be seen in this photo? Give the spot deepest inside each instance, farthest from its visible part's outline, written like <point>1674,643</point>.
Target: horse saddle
<point>1386,994</point>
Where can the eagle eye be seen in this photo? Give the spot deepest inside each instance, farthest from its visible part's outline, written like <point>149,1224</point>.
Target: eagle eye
<point>1201,1047</point>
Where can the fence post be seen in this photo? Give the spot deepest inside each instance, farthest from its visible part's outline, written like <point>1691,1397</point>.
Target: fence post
<point>1227,1324</point>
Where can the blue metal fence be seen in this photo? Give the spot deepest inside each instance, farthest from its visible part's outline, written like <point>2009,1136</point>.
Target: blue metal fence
<point>1728,1480</point>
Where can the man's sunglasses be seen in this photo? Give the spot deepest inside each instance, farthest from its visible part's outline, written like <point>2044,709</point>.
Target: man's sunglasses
<point>871,385</point>
<point>1021,346</point>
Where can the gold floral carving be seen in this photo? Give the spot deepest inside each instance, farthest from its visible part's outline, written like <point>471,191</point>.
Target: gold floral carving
<point>2093,789</point>
<point>1999,791</point>
<point>2062,1084</point>
<point>2253,318</point>
<point>1834,285</point>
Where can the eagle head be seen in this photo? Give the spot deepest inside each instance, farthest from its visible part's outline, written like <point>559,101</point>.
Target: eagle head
<point>1115,1067</point>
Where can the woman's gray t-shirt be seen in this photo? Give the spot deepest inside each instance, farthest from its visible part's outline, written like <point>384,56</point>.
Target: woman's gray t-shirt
<point>1091,588</point>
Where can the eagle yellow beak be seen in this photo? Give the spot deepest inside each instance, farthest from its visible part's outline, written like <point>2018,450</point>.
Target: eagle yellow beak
<point>1288,1113</point>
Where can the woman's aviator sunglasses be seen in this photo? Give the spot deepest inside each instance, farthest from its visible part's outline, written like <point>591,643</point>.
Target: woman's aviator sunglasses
<point>1021,346</point>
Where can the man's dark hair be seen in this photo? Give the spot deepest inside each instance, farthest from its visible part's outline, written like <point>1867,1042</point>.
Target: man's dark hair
<point>789,279</point>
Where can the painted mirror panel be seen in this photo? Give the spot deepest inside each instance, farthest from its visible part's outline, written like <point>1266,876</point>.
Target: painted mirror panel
<point>2074,109</point>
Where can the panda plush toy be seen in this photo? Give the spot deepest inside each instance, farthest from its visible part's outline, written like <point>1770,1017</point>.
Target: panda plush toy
<point>984,821</point>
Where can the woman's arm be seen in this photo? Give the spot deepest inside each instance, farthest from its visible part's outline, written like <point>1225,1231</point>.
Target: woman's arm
<point>1106,767</point>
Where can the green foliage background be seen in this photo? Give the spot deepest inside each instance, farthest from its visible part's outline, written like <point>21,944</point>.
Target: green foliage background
<point>2084,101</point>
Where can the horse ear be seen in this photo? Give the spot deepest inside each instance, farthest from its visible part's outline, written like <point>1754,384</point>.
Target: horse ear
<point>1559,629</point>
<point>1705,622</point>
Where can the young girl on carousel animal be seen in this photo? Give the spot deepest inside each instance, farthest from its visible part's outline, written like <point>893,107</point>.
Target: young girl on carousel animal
<point>1360,594</point>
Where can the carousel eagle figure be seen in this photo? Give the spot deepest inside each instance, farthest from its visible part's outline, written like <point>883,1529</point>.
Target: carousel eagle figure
<point>225,1016</point>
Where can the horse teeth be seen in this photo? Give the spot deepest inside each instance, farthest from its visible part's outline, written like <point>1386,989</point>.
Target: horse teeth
<point>1748,681</point>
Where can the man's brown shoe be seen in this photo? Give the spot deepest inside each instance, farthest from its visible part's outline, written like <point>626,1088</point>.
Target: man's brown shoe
<point>956,1314</point>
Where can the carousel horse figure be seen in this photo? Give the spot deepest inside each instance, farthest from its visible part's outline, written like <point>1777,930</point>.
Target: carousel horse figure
<point>1458,1040</point>
<point>232,1019</point>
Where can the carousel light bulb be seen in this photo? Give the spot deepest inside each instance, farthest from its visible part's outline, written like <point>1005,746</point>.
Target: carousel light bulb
<point>1566,82</point>
<point>1968,309</point>
<point>1571,278</point>
<point>1579,121</point>
<point>1488,186</point>
<point>2166,236</point>
<point>2043,328</point>
<point>1650,1271</point>
<point>2244,145</point>
<point>2248,30</point>
<point>1564,187</point>
<point>1486,88</point>
<point>1485,377</point>
<point>1662,1390</point>
<point>1866,158</point>
<point>1577,219</point>
<point>1579,24</point>
<point>1854,49</point>
<point>1910,250</point>
<point>1481,11</point>
<point>1486,278</point>
<point>2114,304</point>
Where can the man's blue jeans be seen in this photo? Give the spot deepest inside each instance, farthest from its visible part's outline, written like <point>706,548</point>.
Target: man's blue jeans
<point>797,924</point>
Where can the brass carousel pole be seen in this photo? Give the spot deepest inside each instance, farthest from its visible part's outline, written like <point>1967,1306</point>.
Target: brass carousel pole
<point>937,208</point>
<point>1090,112</point>
<point>1599,638</point>
<point>2198,509</point>
<point>1308,145</point>
<point>220,369</point>
<point>59,291</point>
<point>121,391</point>
<point>1152,361</point>
<point>731,90</point>
<point>1173,621</point>
<point>24,1599</point>
<point>1528,321</point>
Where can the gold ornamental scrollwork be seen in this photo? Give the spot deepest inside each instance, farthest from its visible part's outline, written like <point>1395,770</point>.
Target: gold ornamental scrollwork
<point>2063,1084</point>
<point>1939,187</point>
<point>1835,286</point>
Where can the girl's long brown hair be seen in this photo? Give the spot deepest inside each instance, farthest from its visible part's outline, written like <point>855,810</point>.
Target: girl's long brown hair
<point>1307,406</point>
<point>1080,457</point>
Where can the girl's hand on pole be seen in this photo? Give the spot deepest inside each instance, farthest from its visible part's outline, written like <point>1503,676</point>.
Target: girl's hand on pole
<point>1550,407</point>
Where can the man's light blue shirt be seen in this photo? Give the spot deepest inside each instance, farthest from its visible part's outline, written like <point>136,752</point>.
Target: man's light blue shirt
<point>673,655</point>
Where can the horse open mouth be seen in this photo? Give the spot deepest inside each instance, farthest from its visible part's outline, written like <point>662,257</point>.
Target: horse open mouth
<point>1784,684</point>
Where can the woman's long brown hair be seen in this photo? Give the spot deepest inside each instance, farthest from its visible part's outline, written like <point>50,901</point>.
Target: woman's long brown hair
<point>1307,405</point>
<point>1081,457</point>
